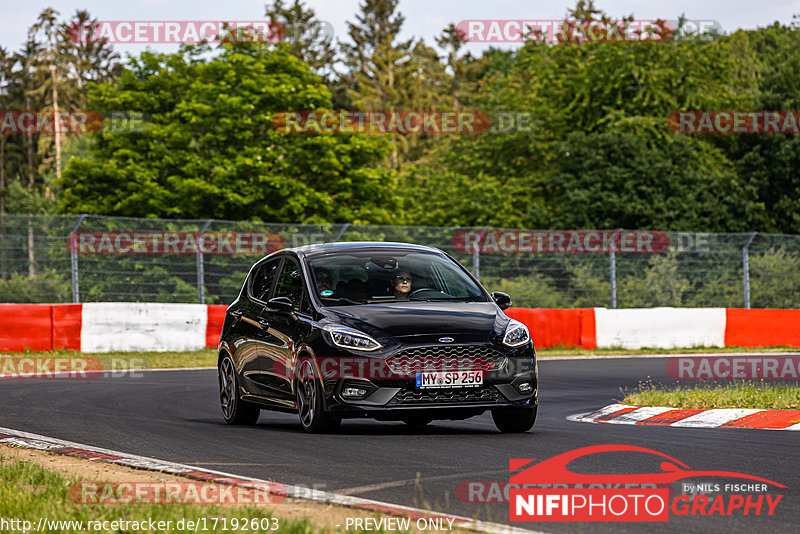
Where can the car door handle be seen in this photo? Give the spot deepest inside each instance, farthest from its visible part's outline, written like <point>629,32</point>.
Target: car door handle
<point>260,323</point>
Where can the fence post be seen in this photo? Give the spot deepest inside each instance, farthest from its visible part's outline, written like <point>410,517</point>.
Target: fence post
<point>746,269</point>
<point>201,274</point>
<point>476,261</point>
<point>612,260</point>
<point>73,257</point>
<point>612,257</point>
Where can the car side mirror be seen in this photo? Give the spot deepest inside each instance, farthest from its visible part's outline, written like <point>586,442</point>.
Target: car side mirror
<point>503,300</point>
<point>282,304</point>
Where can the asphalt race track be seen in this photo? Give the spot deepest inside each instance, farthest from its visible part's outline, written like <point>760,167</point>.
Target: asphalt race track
<point>175,416</point>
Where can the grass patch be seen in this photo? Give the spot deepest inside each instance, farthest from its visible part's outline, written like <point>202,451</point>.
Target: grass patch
<point>746,394</point>
<point>208,357</point>
<point>29,492</point>
<point>134,360</point>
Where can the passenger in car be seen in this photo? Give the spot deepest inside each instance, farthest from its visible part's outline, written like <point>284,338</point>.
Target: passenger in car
<point>402,284</point>
<point>324,280</point>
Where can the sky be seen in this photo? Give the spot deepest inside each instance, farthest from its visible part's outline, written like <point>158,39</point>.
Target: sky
<point>424,18</point>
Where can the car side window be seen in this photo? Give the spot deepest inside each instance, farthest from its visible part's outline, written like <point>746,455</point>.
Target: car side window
<point>290,283</point>
<point>262,280</point>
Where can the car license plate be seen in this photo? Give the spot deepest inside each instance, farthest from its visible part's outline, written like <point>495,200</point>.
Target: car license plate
<point>449,379</point>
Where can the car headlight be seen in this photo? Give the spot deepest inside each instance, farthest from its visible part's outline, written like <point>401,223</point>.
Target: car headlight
<point>350,338</point>
<point>516,334</point>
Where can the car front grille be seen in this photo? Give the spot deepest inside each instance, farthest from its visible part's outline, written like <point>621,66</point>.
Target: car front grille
<point>484,395</point>
<point>447,357</point>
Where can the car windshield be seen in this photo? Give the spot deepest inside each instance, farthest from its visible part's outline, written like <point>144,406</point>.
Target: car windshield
<point>370,277</point>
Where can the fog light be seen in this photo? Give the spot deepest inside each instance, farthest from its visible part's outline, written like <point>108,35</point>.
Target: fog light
<point>525,387</point>
<point>353,392</point>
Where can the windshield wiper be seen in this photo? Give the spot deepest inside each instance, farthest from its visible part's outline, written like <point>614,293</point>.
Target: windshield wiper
<point>440,299</point>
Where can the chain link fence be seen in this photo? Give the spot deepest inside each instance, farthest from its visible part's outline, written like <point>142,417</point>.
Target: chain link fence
<point>58,259</point>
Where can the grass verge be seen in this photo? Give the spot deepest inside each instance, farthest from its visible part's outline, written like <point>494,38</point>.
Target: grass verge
<point>747,394</point>
<point>29,492</point>
<point>208,357</point>
<point>128,360</point>
<point>38,482</point>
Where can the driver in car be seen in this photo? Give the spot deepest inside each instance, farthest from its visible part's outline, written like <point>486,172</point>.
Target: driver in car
<point>402,284</point>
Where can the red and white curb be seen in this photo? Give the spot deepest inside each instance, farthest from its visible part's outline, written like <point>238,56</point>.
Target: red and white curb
<point>623,414</point>
<point>27,440</point>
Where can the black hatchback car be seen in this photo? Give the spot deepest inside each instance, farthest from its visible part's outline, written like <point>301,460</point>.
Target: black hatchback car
<point>390,331</point>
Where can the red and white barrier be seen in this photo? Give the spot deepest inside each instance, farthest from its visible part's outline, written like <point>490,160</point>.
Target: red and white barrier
<point>142,326</point>
<point>109,326</point>
<point>131,326</point>
<point>664,328</point>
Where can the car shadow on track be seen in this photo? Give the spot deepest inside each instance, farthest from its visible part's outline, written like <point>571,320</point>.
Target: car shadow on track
<point>358,427</point>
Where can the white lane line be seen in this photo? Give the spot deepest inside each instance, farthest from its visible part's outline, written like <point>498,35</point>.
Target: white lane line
<point>589,417</point>
<point>398,483</point>
<point>714,418</point>
<point>604,411</point>
<point>638,415</point>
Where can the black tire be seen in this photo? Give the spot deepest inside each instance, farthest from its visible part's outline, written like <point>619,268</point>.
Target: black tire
<point>514,421</point>
<point>234,409</point>
<point>417,421</point>
<point>310,405</point>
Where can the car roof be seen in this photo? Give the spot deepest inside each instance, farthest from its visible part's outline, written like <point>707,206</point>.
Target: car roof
<point>327,248</point>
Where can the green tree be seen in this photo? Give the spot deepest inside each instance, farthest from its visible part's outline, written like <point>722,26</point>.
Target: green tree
<point>385,74</point>
<point>774,279</point>
<point>596,151</point>
<point>619,179</point>
<point>82,58</point>
<point>308,39</point>
<point>210,149</point>
<point>771,162</point>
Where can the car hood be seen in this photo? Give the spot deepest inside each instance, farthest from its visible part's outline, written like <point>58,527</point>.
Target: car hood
<point>423,321</point>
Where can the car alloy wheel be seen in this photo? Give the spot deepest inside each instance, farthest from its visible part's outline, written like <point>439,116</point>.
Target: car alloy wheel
<point>234,410</point>
<point>310,407</point>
